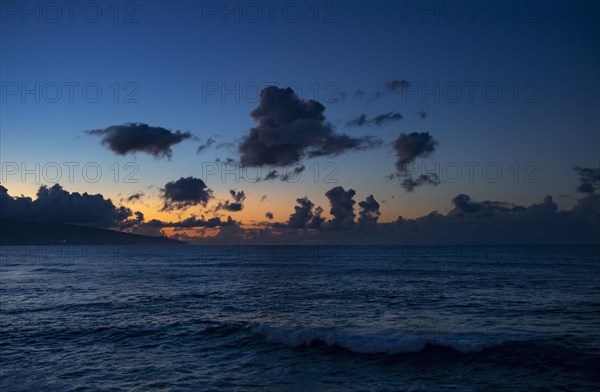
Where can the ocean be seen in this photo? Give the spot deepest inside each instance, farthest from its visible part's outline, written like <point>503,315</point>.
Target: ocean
<point>300,318</point>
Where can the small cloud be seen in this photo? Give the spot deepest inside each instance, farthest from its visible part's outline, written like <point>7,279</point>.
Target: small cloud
<point>397,85</point>
<point>184,193</point>
<point>233,206</point>
<point>379,120</point>
<point>140,137</point>
<point>294,175</point>
<point>408,148</point>
<point>135,197</point>
<point>209,142</point>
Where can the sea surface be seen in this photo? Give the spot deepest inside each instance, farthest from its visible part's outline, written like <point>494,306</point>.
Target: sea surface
<point>300,318</point>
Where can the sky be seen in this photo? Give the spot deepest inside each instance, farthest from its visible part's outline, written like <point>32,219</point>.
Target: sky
<point>508,95</point>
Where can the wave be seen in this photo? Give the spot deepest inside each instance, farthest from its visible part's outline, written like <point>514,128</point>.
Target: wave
<point>392,343</point>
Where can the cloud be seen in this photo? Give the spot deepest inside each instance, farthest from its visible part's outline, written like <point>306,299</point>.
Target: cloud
<point>379,120</point>
<point>410,183</point>
<point>369,213</point>
<point>139,137</point>
<point>408,148</point>
<point>397,85</point>
<point>192,222</point>
<point>422,115</point>
<point>464,205</point>
<point>358,121</point>
<point>589,179</point>
<point>390,86</point>
<point>184,193</point>
<point>411,146</point>
<point>342,207</point>
<point>269,215</point>
<point>209,142</point>
<point>469,221</point>
<point>294,176</point>
<point>56,205</point>
<point>386,118</point>
<point>304,217</point>
<point>588,207</point>
<point>270,176</point>
<point>236,205</point>
<point>290,129</point>
<point>135,197</point>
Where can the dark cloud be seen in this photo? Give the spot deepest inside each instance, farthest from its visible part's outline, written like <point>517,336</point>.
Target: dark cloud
<point>269,215</point>
<point>209,142</point>
<point>359,93</point>
<point>408,148</point>
<point>410,183</point>
<point>140,137</point>
<point>342,207</point>
<point>369,213</point>
<point>304,217</point>
<point>229,163</point>
<point>56,205</point>
<point>317,220</point>
<point>185,192</point>
<point>397,85</point>
<point>192,222</point>
<point>588,207</point>
<point>589,179</point>
<point>236,205</point>
<point>290,128</point>
<point>422,115</point>
<point>135,197</point>
<point>294,175</point>
<point>390,86</point>
<point>386,118</point>
<point>464,205</point>
<point>411,146</point>
<point>358,121</point>
<point>470,221</point>
<point>138,218</point>
<point>270,176</point>
<point>379,120</point>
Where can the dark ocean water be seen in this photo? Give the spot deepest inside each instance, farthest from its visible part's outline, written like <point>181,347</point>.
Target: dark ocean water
<point>300,318</point>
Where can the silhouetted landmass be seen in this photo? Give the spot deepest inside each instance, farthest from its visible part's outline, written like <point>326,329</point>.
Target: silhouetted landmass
<point>41,233</point>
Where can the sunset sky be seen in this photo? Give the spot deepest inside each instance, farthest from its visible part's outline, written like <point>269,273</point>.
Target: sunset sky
<point>199,67</point>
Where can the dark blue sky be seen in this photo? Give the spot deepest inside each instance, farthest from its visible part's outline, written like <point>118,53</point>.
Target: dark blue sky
<point>173,62</point>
